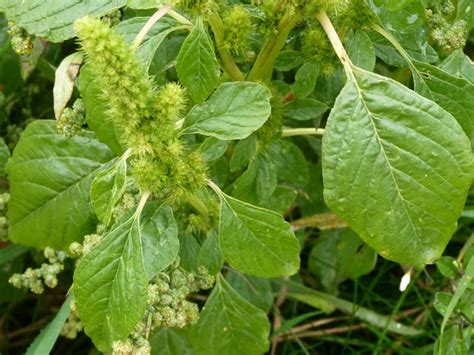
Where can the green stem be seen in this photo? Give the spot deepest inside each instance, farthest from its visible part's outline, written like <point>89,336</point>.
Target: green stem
<point>181,19</point>
<point>336,42</point>
<point>263,67</point>
<point>289,132</point>
<point>197,204</point>
<point>227,61</point>
<point>389,37</point>
<point>149,24</point>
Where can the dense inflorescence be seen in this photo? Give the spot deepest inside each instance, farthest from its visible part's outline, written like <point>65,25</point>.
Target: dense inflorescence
<point>167,306</point>
<point>72,119</point>
<point>22,42</point>
<point>160,161</point>
<point>35,279</point>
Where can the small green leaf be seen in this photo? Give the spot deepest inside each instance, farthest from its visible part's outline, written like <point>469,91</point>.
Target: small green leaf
<point>143,4</point>
<point>160,237</point>
<point>44,342</point>
<point>305,79</point>
<point>107,189</point>
<point>171,341</point>
<point>110,284</point>
<point>53,20</point>
<point>65,78</point>
<point>360,50</point>
<point>212,149</point>
<point>256,241</point>
<point>459,65</point>
<point>197,64</point>
<point>50,178</point>
<point>243,153</point>
<point>287,60</point>
<point>230,325</point>
<point>305,109</point>
<point>234,111</point>
<point>448,267</point>
<point>396,168</point>
<point>210,255</point>
<point>256,290</point>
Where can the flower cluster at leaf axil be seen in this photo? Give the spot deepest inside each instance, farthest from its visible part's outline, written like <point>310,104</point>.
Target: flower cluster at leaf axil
<point>167,306</point>
<point>4,197</point>
<point>22,42</point>
<point>46,274</point>
<point>145,115</point>
<point>73,324</point>
<point>72,119</point>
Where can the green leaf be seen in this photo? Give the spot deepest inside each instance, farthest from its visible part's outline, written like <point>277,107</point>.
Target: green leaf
<point>338,255</point>
<point>455,95</point>
<point>50,178</point>
<point>453,341</point>
<point>234,111</point>
<point>196,65</point>
<point>243,153</point>
<point>143,4</point>
<point>4,156</point>
<point>230,325</point>
<point>396,168</point>
<point>160,237</point>
<point>65,78</point>
<point>96,111</point>
<point>459,65</point>
<point>44,342</point>
<point>287,60</point>
<point>171,341</point>
<point>258,182</point>
<point>305,109</point>
<point>448,267</point>
<point>53,20</point>
<point>210,255</point>
<point>130,28</point>
<point>107,189</point>
<point>212,149</point>
<point>256,290</point>
<point>256,241</point>
<point>305,79</point>
<point>110,284</point>
<point>11,252</point>
<point>281,199</point>
<point>361,50</point>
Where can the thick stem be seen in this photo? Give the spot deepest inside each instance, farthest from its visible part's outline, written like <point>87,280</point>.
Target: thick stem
<point>335,42</point>
<point>289,132</point>
<point>263,67</point>
<point>149,24</point>
<point>141,204</point>
<point>181,19</point>
<point>227,61</point>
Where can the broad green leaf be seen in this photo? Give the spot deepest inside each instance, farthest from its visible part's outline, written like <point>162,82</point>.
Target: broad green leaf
<point>144,4</point>
<point>305,109</point>
<point>196,65</point>
<point>130,28</point>
<point>160,237</point>
<point>401,17</point>
<point>281,199</point>
<point>188,251</point>
<point>44,342</point>
<point>396,168</point>
<point>171,341</point>
<point>230,325</point>
<point>459,65</point>
<point>107,189</point>
<point>110,285</point>
<point>210,255</point>
<point>256,241</point>
<point>305,79</point>
<point>4,156</point>
<point>256,290</point>
<point>53,20</point>
<point>455,95</point>
<point>234,111</point>
<point>360,50</point>
<point>65,78</point>
<point>50,178</point>
<point>96,111</point>
<point>212,149</point>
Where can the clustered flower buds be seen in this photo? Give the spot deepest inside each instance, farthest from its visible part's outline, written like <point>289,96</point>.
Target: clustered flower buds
<point>22,42</point>
<point>449,36</point>
<point>73,324</point>
<point>90,241</point>
<point>4,197</point>
<point>167,306</point>
<point>35,279</point>
<point>160,162</point>
<point>238,29</point>
<point>71,119</point>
